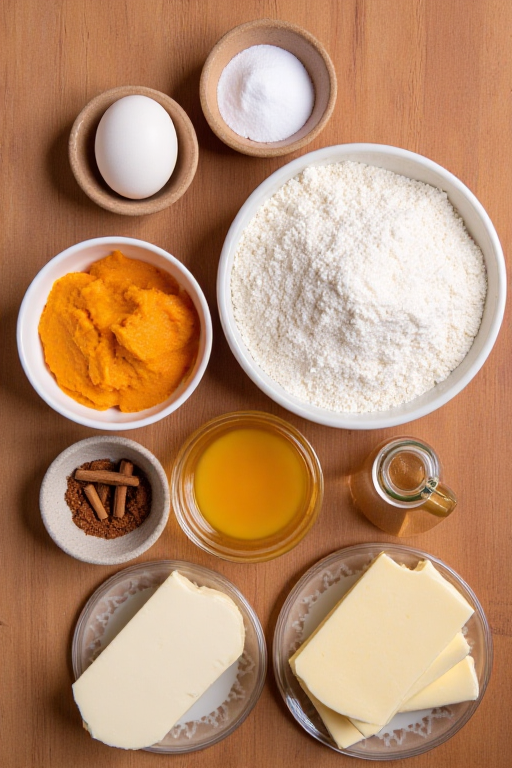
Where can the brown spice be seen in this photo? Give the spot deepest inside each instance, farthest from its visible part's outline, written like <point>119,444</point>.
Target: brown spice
<point>138,503</point>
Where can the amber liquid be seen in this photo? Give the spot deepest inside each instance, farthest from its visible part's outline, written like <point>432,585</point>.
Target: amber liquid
<point>250,483</point>
<point>407,473</point>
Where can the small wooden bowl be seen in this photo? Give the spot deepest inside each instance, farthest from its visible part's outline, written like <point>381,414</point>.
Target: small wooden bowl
<point>301,44</point>
<point>85,169</point>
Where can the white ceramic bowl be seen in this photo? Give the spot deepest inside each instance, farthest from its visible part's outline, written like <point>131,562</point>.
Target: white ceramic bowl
<point>79,258</point>
<point>479,226</point>
<point>57,516</point>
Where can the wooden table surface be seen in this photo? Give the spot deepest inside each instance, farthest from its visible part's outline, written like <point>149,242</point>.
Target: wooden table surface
<point>434,77</point>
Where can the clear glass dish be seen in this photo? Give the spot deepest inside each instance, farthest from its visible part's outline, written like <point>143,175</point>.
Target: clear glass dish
<point>193,523</point>
<point>314,595</point>
<point>226,704</point>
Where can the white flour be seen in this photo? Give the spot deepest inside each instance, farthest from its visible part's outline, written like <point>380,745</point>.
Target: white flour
<point>357,289</point>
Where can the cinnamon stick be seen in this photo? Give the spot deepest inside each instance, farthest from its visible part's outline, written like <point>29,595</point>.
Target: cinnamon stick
<point>102,490</point>
<point>126,469</point>
<point>94,501</point>
<point>103,476</point>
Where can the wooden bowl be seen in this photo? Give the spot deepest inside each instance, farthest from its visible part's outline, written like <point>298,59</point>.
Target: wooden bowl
<point>301,44</point>
<point>85,169</point>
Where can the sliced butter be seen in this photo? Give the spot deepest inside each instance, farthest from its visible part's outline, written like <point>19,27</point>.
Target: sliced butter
<point>454,652</point>
<point>167,656</point>
<point>458,684</point>
<point>383,635</point>
<point>347,732</point>
<point>341,729</point>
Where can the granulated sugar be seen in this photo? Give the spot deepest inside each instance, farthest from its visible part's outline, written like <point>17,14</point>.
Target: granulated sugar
<point>265,94</point>
<point>357,289</point>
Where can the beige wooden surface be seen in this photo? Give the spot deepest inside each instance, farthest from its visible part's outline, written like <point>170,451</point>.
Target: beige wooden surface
<point>431,76</point>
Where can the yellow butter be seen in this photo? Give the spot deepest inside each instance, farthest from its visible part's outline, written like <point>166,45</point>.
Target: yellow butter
<point>457,650</point>
<point>458,684</point>
<point>380,639</point>
<point>341,729</point>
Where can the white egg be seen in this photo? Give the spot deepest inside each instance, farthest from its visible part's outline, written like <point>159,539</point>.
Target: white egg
<point>136,147</point>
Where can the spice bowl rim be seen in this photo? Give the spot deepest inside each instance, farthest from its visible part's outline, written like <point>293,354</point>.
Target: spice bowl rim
<point>80,257</point>
<point>208,89</point>
<point>414,166</point>
<point>343,562</point>
<point>57,517</point>
<point>187,511</point>
<point>88,176</point>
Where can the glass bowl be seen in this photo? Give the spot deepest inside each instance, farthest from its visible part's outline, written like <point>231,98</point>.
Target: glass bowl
<point>226,704</point>
<point>314,595</point>
<point>201,532</point>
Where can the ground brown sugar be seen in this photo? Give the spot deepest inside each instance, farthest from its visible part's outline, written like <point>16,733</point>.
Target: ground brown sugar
<point>138,503</point>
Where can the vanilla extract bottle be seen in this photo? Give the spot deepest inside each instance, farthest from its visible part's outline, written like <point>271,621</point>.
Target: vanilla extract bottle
<point>399,487</point>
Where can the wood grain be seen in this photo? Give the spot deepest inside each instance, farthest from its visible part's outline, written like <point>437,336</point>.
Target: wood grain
<point>434,77</point>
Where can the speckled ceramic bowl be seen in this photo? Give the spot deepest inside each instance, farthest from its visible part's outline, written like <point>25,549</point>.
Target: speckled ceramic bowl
<point>57,515</point>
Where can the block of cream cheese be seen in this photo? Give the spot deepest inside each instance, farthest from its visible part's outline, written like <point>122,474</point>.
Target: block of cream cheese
<point>383,635</point>
<point>167,656</point>
<point>460,683</point>
<point>454,652</point>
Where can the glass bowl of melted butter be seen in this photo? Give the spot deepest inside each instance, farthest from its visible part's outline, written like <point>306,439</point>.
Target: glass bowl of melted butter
<point>246,486</point>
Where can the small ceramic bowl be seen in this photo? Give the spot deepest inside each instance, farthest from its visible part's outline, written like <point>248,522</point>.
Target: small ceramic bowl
<point>57,516</point>
<point>301,44</point>
<point>79,258</point>
<point>85,169</point>
<point>199,530</point>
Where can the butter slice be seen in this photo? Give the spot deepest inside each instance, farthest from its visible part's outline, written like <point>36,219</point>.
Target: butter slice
<point>347,732</point>
<point>383,635</point>
<point>457,650</point>
<point>163,660</point>
<point>454,652</point>
<point>341,729</point>
<point>458,684</point>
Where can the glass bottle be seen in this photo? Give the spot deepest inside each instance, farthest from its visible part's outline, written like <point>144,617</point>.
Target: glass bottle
<point>398,487</point>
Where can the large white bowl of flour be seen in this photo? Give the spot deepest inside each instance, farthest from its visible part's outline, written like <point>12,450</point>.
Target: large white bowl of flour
<point>381,323</point>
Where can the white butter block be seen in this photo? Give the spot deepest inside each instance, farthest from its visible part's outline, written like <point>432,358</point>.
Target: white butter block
<point>346,731</point>
<point>341,729</point>
<point>167,656</point>
<point>454,652</point>
<point>383,635</point>
<point>458,684</point>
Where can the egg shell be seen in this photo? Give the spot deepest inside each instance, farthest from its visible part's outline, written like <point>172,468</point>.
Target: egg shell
<point>136,147</point>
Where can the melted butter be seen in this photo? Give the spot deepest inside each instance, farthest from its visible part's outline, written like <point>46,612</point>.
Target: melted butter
<point>250,483</point>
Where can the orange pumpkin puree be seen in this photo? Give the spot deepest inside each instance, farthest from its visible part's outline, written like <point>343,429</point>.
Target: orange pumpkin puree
<point>123,334</point>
